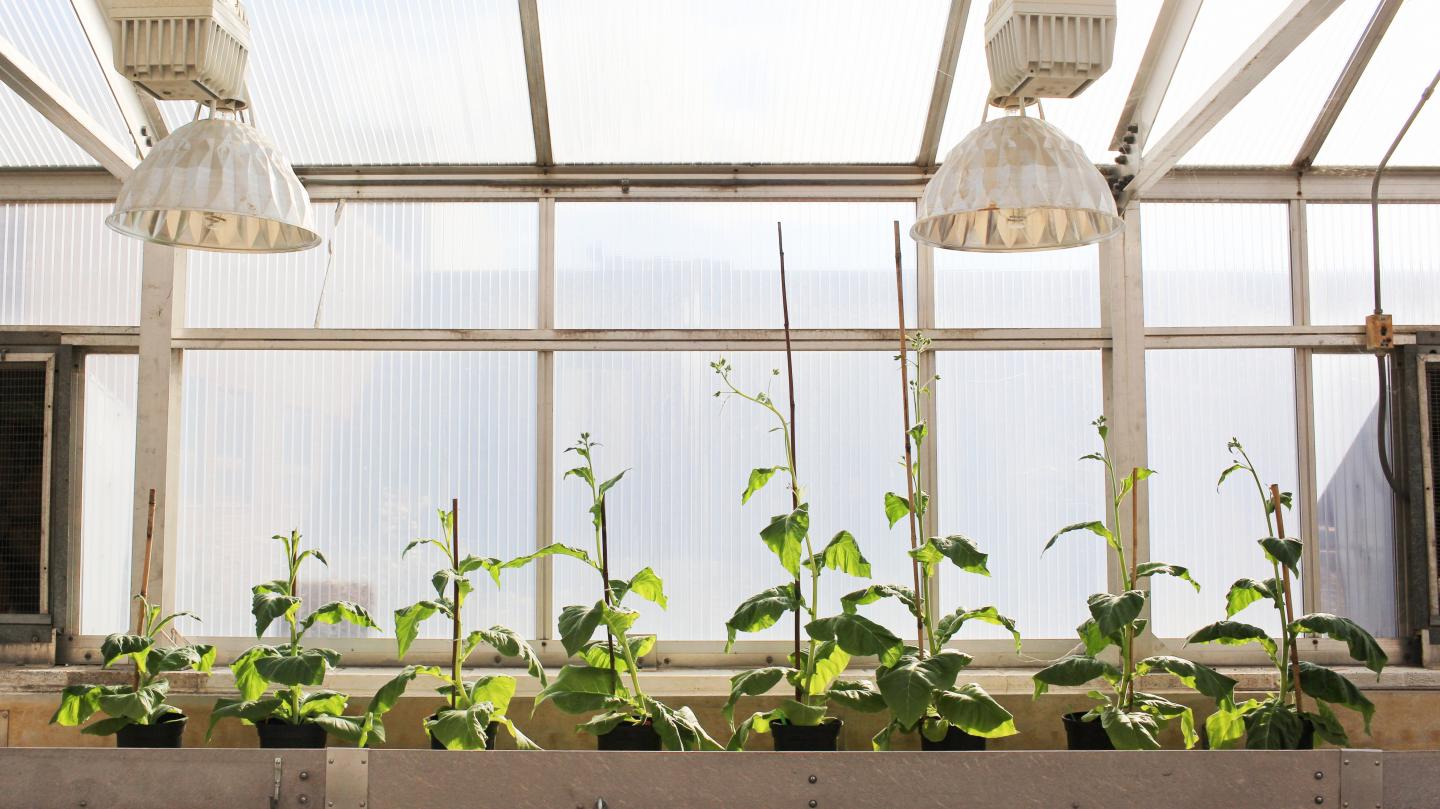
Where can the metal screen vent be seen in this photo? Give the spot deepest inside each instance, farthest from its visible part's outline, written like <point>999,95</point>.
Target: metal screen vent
<point>1432,450</point>
<point>22,484</point>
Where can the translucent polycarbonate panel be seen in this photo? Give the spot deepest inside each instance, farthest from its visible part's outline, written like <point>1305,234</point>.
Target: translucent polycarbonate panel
<point>356,450</point>
<point>1215,264</point>
<point>1386,95</point>
<point>1355,517</point>
<point>691,265</point>
<point>652,81</point>
<point>689,456</point>
<point>1221,34</point>
<point>48,33</point>
<point>1196,401</point>
<point>1342,263</point>
<point>28,140</point>
<point>1011,425</point>
<point>60,265</point>
<point>1046,289</point>
<point>401,265</point>
<point>1088,119</point>
<point>107,497</point>
<point>1267,126</point>
<point>424,81</point>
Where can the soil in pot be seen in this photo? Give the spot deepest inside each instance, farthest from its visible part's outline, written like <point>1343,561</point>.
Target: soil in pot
<point>955,739</point>
<point>490,731</point>
<point>166,732</point>
<point>822,737</point>
<point>628,736</point>
<point>278,734</point>
<point>1081,735</point>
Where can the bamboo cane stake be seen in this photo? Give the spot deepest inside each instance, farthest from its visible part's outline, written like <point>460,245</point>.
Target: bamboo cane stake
<point>455,596</point>
<point>605,576</point>
<point>794,452</point>
<point>1289,605</point>
<point>1134,566</point>
<point>920,599</point>
<point>145,572</point>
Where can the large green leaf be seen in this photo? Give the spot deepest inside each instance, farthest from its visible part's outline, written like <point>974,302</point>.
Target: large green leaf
<point>960,550</point>
<point>1327,686</point>
<point>1165,710</point>
<point>875,592</point>
<point>247,680</point>
<point>1073,670</point>
<point>598,653</point>
<point>337,612</point>
<point>1094,640</point>
<point>785,535</point>
<point>1130,730</point>
<point>950,624</point>
<point>306,668</point>
<point>1225,728</point>
<point>1204,679</point>
<point>1273,726</point>
<point>1362,646</point>
<point>1233,633</point>
<point>489,564</point>
<point>119,646</point>
<point>389,694</point>
<point>577,625</point>
<point>1147,569</point>
<point>909,686</point>
<point>357,730</point>
<point>460,729</point>
<point>551,550</point>
<point>415,543</point>
<point>407,623</point>
<point>1327,725</point>
<point>137,705</point>
<point>758,479</point>
<point>618,619</point>
<point>602,723</point>
<point>830,661</point>
<point>268,606</point>
<point>843,554</point>
<point>1285,551</point>
<point>799,713</point>
<point>1095,527</point>
<point>248,710</point>
<point>180,658</point>
<point>1245,592</point>
<point>858,635</point>
<point>972,710</point>
<point>580,689</point>
<point>508,642</point>
<point>896,508</point>
<point>496,690</point>
<point>451,583</point>
<point>107,727</point>
<point>645,584</point>
<point>324,703</point>
<point>752,683</point>
<point>678,728</point>
<point>1112,613</point>
<point>857,695</point>
<point>77,704</point>
<point>761,611</point>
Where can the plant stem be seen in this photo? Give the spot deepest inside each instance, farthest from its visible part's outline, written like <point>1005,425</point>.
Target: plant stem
<point>145,577</point>
<point>1134,556</point>
<point>602,549</point>
<point>1289,616</point>
<point>293,549</point>
<point>1279,597</point>
<point>455,662</point>
<point>922,641</point>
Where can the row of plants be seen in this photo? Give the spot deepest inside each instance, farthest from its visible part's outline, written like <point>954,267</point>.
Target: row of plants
<point>916,685</point>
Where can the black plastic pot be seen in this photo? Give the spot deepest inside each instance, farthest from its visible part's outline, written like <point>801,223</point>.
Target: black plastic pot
<point>1081,735</point>
<point>822,737</point>
<point>279,734</point>
<point>490,731</point>
<point>955,739</point>
<point>1307,735</point>
<point>628,736</point>
<point>166,732</point>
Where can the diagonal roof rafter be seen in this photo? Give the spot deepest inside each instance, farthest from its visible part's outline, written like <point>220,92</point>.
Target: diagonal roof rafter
<point>1345,84</point>
<point>1157,67</point>
<point>944,82</point>
<point>535,79</point>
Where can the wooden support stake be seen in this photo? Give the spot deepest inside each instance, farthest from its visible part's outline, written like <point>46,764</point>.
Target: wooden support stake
<point>794,451</point>
<point>605,585</point>
<point>455,603</point>
<point>920,600</point>
<point>145,573</point>
<point>1289,604</point>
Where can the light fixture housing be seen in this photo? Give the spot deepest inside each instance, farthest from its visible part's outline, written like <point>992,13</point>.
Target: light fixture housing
<point>1016,183</point>
<point>216,184</point>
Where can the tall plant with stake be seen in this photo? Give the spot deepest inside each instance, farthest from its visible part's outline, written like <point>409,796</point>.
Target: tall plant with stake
<point>814,670</point>
<point>1278,721</point>
<point>1131,718</point>
<point>472,709</point>
<point>608,681</point>
<point>272,678</point>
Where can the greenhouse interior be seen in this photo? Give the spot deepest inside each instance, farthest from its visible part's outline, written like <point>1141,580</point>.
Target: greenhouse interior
<point>483,402</point>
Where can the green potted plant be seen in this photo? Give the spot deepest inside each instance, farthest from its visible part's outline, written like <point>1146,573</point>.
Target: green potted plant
<point>137,714</point>
<point>628,718</point>
<point>802,723</point>
<point>1280,721</point>
<point>271,679</point>
<point>474,710</point>
<point>919,689</point>
<point>1125,718</point>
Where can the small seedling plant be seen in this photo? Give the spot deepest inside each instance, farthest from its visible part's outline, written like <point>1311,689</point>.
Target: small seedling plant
<point>463,724</point>
<point>1277,722</point>
<point>608,681</point>
<point>272,678</point>
<point>814,670</point>
<point>919,688</point>
<point>1131,718</point>
<point>143,701</point>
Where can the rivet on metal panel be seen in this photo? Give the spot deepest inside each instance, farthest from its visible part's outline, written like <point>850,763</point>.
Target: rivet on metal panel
<point>303,799</point>
<point>813,779</point>
<point>1319,799</point>
<point>1319,775</point>
<point>814,803</point>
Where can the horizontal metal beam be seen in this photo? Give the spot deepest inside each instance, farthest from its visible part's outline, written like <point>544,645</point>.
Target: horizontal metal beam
<point>39,91</point>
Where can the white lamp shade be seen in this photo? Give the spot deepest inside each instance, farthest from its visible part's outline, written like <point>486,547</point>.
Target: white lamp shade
<point>216,184</point>
<point>1014,184</point>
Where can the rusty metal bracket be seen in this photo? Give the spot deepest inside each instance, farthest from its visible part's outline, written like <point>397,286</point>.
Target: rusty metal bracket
<point>1362,779</point>
<point>347,778</point>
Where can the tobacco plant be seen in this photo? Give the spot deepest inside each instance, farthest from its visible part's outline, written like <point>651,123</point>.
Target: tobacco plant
<point>814,670</point>
<point>272,678</point>
<point>919,688</point>
<point>1277,722</point>
<point>597,684</point>
<point>1131,718</point>
<point>470,706</point>
<point>142,702</point>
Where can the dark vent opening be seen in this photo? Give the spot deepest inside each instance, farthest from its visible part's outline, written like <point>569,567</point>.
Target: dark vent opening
<point>1432,393</point>
<point>22,484</point>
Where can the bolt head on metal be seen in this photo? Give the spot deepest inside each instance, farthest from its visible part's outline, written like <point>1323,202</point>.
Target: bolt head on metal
<point>303,799</point>
<point>813,779</point>
<point>1319,799</point>
<point>814,803</point>
<point>1319,775</point>
<point>304,775</point>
